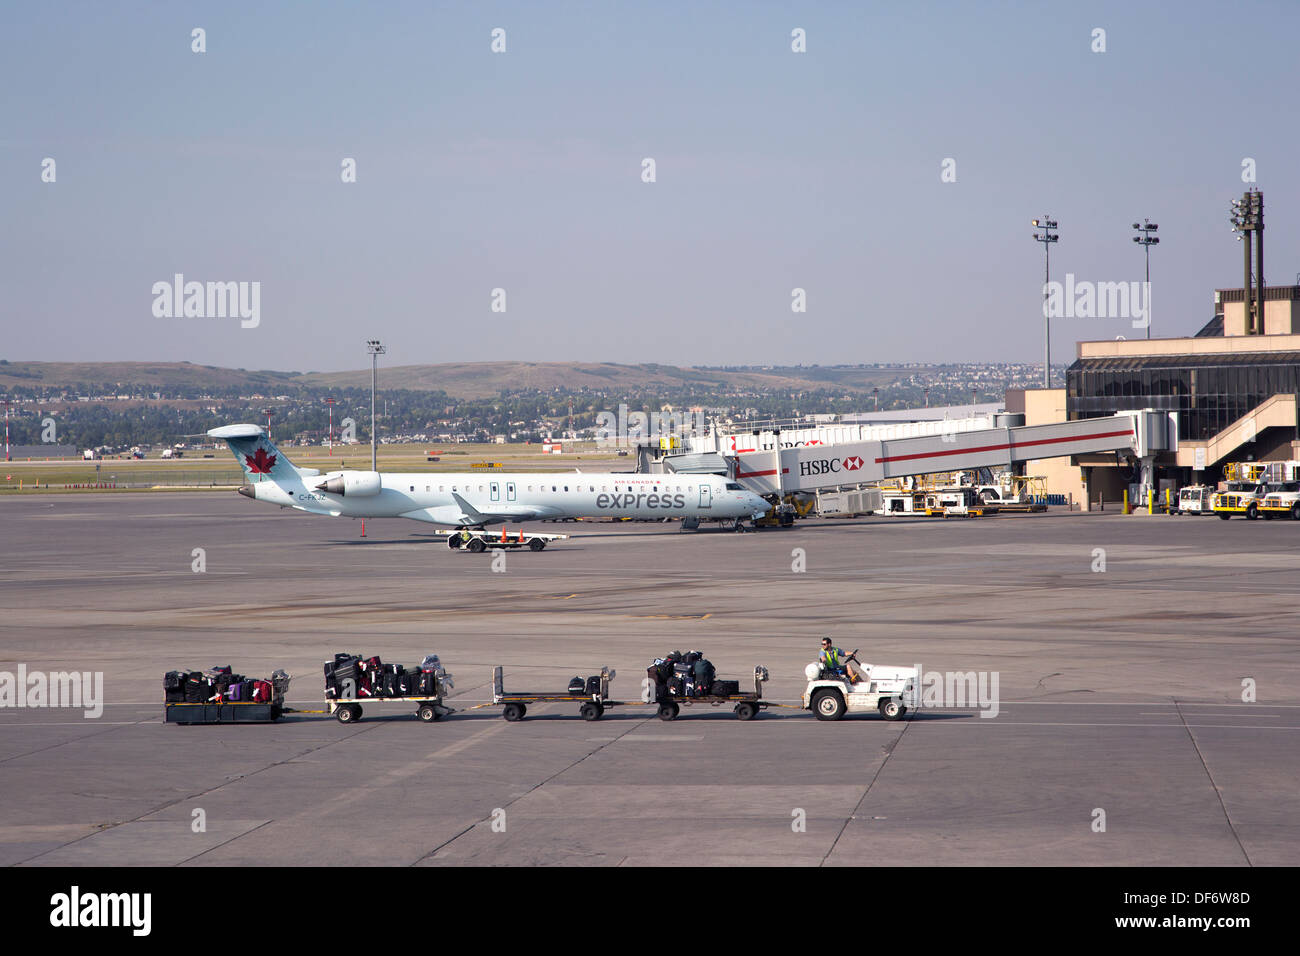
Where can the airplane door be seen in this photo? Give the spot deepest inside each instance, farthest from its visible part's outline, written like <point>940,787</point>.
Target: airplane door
<point>706,496</point>
<point>495,489</point>
<point>510,491</point>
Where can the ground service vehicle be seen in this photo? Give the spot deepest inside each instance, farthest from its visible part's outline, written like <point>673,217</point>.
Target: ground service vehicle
<point>890,691</point>
<point>1240,498</point>
<point>478,541</point>
<point>1194,500</point>
<point>1281,500</point>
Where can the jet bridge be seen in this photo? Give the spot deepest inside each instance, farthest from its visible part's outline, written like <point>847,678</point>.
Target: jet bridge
<point>807,468</point>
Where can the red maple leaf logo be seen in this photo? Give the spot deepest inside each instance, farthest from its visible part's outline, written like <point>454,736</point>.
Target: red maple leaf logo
<point>261,463</point>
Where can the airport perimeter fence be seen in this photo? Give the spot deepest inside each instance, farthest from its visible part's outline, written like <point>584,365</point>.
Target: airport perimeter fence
<point>136,478</point>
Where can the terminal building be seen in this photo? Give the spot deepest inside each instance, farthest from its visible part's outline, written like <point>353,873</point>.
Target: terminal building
<point>1233,388</point>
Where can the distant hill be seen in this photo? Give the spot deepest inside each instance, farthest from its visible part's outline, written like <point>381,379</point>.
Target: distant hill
<point>459,380</point>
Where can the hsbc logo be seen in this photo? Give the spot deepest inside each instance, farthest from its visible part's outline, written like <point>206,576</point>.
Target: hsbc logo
<point>829,466</point>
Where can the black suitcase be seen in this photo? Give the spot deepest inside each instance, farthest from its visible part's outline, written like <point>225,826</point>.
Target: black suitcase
<point>392,684</point>
<point>197,691</point>
<point>724,688</point>
<point>593,685</point>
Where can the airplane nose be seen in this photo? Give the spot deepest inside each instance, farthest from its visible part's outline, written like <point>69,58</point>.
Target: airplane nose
<point>247,491</point>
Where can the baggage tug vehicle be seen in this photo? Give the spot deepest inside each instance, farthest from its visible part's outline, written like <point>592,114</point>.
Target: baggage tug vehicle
<point>889,691</point>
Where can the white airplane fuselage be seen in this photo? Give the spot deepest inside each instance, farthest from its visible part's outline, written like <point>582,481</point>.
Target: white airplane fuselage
<point>441,498</point>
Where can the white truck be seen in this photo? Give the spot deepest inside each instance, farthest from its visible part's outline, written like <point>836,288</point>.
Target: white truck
<point>890,691</point>
<point>1282,500</point>
<point>1194,500</point>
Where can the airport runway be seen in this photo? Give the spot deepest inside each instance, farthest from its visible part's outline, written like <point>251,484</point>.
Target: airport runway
<point>1120,691</point>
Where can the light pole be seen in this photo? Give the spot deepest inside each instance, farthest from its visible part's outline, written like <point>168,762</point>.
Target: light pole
<point>6,429</point>
<point>268,412</point>
<point>375,350</point>
<point>1146,240</point>
<point>330,403</point>
<point>1247,220</point>
<point>1046,237</point>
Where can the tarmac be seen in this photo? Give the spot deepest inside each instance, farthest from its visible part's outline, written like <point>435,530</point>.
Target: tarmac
<point>1122,646</point>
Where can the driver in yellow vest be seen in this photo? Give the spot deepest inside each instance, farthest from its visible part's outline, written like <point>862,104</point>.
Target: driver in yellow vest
<point>836,661</point>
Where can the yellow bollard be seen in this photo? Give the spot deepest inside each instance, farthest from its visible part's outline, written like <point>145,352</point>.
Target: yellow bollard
<point>1125,510</point>
<point>1151,501</point>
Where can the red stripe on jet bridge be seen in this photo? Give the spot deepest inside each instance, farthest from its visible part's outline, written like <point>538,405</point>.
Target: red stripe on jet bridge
<point>1008,445</point>
<point>761,474</point>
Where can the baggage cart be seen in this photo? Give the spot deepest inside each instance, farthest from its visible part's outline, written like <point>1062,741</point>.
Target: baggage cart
<point>347,710</point>
<point>747,705</point>
<point>594,696</point>
<point>428,707</point>
<point>226,712</point>
<point>479,540</point>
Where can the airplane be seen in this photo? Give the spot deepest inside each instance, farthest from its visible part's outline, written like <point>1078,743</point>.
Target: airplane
<point>462,500</point>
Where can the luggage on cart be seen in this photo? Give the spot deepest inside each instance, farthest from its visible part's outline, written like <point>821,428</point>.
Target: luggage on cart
<point>725,688</point>
<point>261,692</point>
<point>197,688</point>
<point>174,687</point>
<point>577,686</point>
<point>235,692</point>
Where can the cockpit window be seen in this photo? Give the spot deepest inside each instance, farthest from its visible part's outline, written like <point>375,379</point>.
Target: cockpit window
<point>734,486</point>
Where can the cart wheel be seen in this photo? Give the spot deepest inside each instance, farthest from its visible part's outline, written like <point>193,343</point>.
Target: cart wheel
<point>427,713</point>
<point>591,711</point>
<point>476,546</point>
<point>536,544</point>
<point>669,711</point>
<point>514,712</point>
<point>828,705</point>
<point>347,713</point>
<point>892,709</point>
<point>746,711</point>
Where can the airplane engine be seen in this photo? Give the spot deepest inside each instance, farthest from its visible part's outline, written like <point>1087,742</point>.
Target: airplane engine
<point>356,484</point>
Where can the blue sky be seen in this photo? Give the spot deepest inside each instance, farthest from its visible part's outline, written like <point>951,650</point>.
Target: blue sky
<point>522,171</point>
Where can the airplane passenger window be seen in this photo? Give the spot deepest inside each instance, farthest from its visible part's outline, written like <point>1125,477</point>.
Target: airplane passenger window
<point>552,487</point>
<point>566,487</point>
<point>412,487</point>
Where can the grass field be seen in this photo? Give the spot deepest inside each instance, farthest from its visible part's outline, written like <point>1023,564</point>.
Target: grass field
<point>221,470</point>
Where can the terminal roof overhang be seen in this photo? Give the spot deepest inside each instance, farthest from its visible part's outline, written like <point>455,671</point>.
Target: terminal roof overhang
<point>1136,363</point>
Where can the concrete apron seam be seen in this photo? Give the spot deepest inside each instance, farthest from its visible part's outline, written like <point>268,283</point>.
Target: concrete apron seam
<point>223,843</point>
<point>1218,794</point>
<point>863,799</point>
<point>446,843</point>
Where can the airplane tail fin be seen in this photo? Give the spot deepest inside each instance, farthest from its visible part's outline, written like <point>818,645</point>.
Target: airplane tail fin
<point>257,455</point>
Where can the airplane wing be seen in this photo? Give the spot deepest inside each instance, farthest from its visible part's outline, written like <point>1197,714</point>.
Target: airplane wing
<point>465,513</point>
